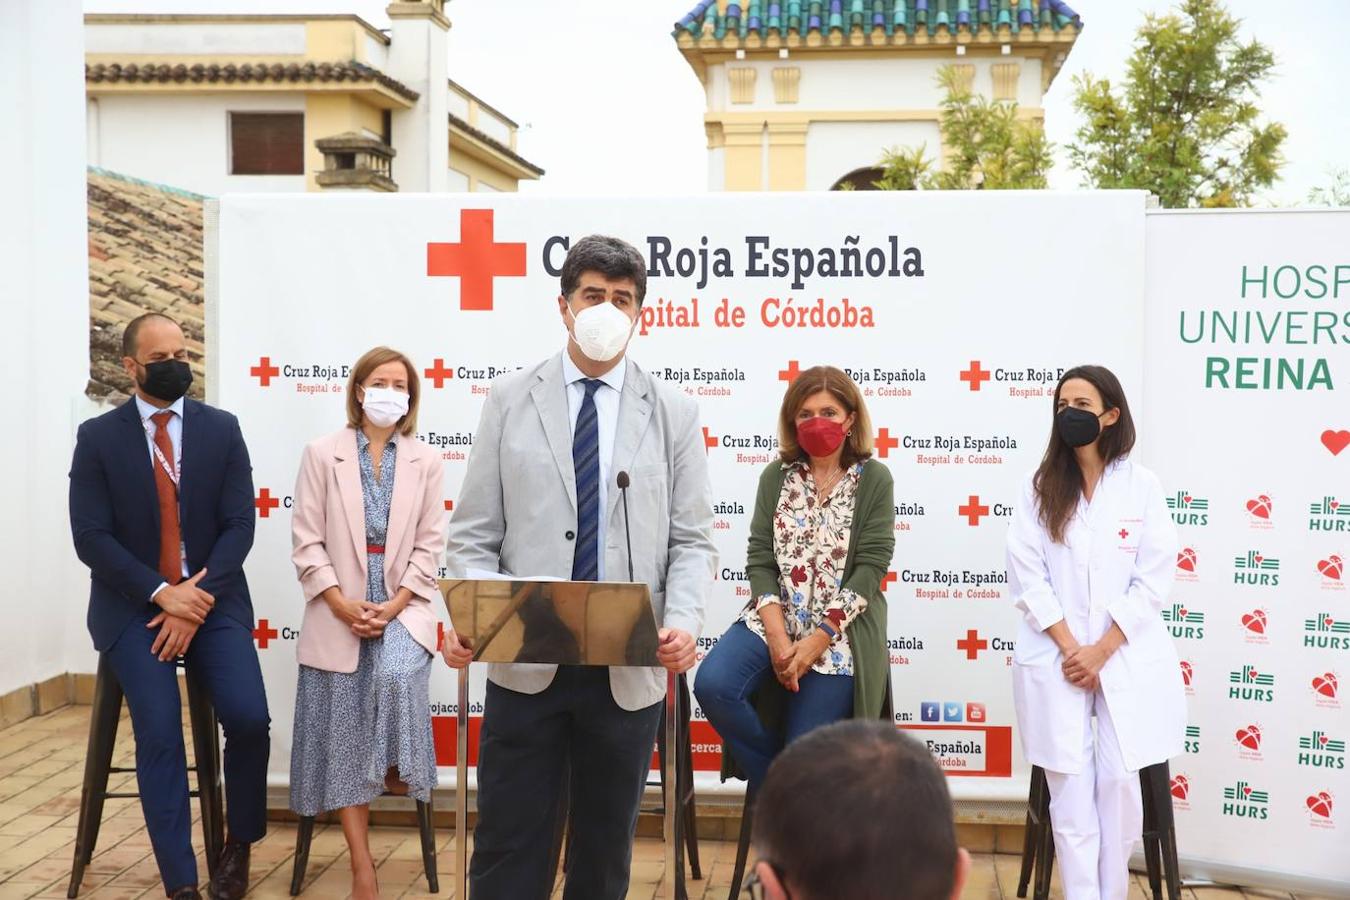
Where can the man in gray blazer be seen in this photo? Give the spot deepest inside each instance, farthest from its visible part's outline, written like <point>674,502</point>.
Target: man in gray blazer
<point>539,499</point>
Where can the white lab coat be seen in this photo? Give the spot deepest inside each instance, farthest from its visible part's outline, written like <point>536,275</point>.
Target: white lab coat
<point>1117,564</point>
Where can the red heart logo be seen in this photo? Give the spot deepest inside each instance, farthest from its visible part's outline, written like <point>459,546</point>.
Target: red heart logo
<point>1329,621</point>
<point>1330,567</point>
<point>1252,672</point>
<point>1335,504</point>
<point>798,575</point>
<point>1255,621</point>
<point>1258,557</point>
<point>1249,737</point>
<point>1182,612</point>
<point>1247,791</point>
<point>1186,672</point>
<point>1186,560</point>
<point>1325,684</point>
<point>1186,499</point>
<point>1320,804</point>
<point>1324,739</point>
<point>1335,441</point>
<point>1181,786</point>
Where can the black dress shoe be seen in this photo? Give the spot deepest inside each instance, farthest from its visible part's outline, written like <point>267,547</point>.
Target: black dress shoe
<point>231,878</point>
<point>186,893</point>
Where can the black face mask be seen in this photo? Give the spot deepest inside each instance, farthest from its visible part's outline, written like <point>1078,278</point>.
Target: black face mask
<point>1077,427</point>
<point>166,380</point>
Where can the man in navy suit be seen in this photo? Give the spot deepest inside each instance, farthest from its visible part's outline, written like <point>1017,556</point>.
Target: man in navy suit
<point>161,509</point>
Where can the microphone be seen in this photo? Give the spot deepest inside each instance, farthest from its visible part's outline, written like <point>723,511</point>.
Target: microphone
<point>623,481</point>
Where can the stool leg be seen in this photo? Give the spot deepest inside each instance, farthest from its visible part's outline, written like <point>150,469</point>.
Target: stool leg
<point>1045,859</point>
<point>743,844</point>
<point>103,719</point>
<point>687,773</point>
<point>1167,829</point>
<point>206,755</point>
<point>428,828</point>
<point>1028,856</point>
<point>303,836</point>
<point>1152,856</point>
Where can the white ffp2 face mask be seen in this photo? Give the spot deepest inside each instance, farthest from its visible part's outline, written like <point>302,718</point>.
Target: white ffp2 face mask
<point>601,331</point>
<point>384,406</point>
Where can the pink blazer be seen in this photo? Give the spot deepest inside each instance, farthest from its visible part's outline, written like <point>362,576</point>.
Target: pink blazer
<point>328,536</point>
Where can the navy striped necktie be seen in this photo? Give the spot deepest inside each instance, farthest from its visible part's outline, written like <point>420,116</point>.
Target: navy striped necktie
<point>586,463</point>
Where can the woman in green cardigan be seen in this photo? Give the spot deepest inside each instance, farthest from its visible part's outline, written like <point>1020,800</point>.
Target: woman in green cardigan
<point>821,539</point>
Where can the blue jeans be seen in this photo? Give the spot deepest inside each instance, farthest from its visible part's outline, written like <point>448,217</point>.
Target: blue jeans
<point>733,671</point>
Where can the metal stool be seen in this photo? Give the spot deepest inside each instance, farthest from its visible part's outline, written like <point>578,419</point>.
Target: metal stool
<point>686,823</point>
<point>103,719</point>
<point>425,826</point>
<point>748,807</point>
<point>1159,835</point>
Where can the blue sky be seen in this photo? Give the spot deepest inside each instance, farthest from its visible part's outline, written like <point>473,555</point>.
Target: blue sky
<point>609,106</point>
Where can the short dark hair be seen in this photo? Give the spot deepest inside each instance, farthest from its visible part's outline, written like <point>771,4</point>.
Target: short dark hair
<point>133,330</point>
<point>887,833</point>
<point>610,257</point>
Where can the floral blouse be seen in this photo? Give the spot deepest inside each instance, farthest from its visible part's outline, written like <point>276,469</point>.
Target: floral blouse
<point>810,543</point>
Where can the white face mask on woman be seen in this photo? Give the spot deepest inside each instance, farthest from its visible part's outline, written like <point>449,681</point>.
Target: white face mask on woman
<point>383,407</point>
<point>601,331</point>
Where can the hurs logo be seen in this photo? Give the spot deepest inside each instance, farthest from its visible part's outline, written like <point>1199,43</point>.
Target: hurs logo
<point>1185,623</point>
<point>1320,751</point>
<point>1325,632</point>
<point>1248,684</point>
<point>1193,739</point>
<point>1256,569</point>
<point>1245,802</point>
<point>1329,514</point>
<point>1189,510</point>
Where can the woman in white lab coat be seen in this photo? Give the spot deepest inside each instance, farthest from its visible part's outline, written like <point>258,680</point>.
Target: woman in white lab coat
<point>1091,556</point>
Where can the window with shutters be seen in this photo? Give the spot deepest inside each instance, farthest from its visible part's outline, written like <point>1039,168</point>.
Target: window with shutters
<point>267,143</point>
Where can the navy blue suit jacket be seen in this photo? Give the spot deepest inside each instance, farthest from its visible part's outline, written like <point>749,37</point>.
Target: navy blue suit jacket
<point>114,514</point>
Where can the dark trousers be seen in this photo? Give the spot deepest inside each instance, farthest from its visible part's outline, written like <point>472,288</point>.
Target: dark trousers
<point>223,658</point>
<point>528,744</point>
<point>729,676</point>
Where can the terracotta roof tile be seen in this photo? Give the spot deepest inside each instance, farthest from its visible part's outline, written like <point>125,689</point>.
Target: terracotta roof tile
<point>145,255</point>
<point>243,73</point>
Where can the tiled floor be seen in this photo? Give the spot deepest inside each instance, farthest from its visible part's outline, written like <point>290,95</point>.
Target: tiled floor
<point>41,768</point>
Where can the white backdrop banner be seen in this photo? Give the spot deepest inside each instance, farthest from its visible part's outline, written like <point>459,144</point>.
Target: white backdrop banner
<point>1248,399</point>
<point>956,313</point>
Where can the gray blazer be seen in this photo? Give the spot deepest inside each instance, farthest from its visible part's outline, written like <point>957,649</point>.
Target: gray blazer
<point>518,503</point>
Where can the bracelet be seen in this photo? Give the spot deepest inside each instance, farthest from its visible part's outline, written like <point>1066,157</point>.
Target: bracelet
<point>825,627</point>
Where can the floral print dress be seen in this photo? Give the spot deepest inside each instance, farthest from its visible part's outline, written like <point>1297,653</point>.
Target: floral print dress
<point>810,544</point>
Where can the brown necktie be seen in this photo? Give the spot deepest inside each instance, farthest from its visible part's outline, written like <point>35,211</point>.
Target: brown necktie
<point>170,534</point>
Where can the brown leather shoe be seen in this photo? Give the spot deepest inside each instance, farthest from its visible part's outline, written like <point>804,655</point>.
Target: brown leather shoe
<point>185,893</point>
<point>231,878</point>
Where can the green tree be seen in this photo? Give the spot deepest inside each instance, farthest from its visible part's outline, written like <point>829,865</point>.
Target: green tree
<point>1184,124</point>
<point>1337,193</point>
<point>987,146</point>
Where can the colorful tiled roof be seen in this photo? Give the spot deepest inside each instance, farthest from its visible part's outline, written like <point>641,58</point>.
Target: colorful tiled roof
<point>145,255</point>
<point>804,17</point>
<point>216,73</point>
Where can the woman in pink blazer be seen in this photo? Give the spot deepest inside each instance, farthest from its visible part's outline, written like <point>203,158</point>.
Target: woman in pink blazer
<point>368,534</point>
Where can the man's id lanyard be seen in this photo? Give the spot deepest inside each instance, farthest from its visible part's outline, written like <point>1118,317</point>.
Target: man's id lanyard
<point>160,457</point>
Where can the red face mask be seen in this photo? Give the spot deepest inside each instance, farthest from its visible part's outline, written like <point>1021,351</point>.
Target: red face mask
<point>819,436</point>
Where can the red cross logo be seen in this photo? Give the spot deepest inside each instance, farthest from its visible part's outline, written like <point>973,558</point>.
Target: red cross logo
<point>449,506</point>
<point>1124,534</point>
<point>972,644</point>
<point>264,634</point>
<point>790,373</point>
<point>438,373</point>
<point>886,443</point>
<point>888,579</point>
<point>266,503</point>
<point>973,510</point>
<point>476,260</point>
<point>975,375</point>
<point>264,371</point>
<point>709,440</point>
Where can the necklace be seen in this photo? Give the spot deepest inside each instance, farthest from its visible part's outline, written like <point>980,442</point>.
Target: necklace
<point>823,490</point>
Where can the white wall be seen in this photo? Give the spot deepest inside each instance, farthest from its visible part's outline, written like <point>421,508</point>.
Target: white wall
<point>833,149</point>
<point>235,38</point>
<point>181,141</point>
<point>44,346</point>
<point>867,84</point>
<point>456,180</point>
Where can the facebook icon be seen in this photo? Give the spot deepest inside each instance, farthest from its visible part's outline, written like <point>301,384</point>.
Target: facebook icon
<point>951,712</point>
<point>928,711</point>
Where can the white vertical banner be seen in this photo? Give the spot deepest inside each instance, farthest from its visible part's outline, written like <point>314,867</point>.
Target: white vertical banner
<point>1248,412</point>
<point>955,313</point>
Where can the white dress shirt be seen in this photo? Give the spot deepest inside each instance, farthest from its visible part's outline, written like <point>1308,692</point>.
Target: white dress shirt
<point>175,427</point>
<point>607,423</point>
